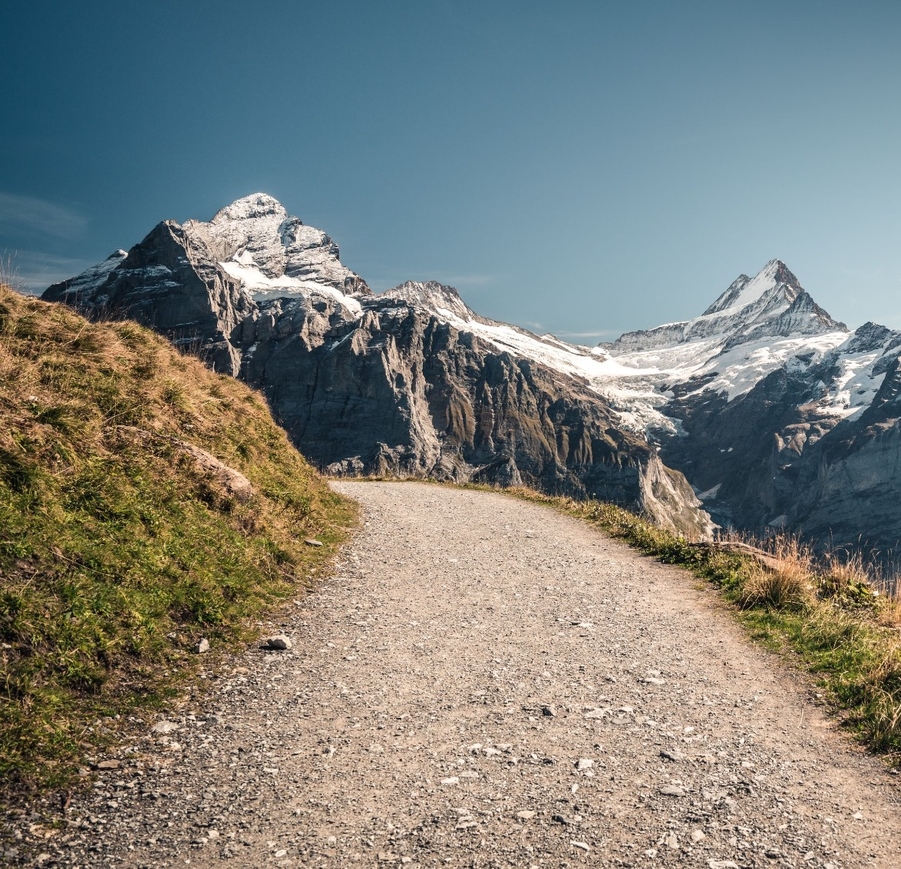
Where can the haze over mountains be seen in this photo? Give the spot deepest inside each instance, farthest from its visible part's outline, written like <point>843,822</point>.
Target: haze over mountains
<point>776,414</point>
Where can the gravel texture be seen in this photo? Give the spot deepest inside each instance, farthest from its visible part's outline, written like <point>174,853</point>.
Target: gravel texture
<point>484,682</point>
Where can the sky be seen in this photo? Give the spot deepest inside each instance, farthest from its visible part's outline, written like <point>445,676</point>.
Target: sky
<point>580,167</point>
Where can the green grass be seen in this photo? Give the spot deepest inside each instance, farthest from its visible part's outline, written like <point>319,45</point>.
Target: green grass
<point>828,619</point>
<point>117,552</point>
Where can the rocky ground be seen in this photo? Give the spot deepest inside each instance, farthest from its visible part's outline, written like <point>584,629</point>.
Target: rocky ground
<point>484,682</point>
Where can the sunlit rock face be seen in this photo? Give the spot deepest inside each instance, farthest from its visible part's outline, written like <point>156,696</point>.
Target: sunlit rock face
<point>407,382</point>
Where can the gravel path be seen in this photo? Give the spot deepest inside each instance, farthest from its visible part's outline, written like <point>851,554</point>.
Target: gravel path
<point>487,683</point>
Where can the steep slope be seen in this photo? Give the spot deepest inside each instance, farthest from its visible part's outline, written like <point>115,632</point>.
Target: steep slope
<point>408,382</point>
<point>145,503</point>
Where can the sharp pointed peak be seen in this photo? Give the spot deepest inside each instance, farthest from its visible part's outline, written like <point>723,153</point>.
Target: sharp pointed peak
<point>744,291</point>
<point>777,271</point>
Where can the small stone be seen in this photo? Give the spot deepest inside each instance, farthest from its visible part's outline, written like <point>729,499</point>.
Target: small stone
<point>164,727</point>
<point>671,841</point>
<point>332,840</point>
<point>672,791</point>
<point>526,815</point>
<point>651,680</point>
<point>597,712</point>
<point>450,780</point>
<point>281,852</point>
<point>584,763</point>
<point>212,834</point>
<point>311,542</point>
<point>858,816</point>
<point>203,645</point>
<point>675,755</point>
<point>109,764</point>
<point>549,711</point>
<point>583,845</point>
<point>466,825</point>
<point>560,819</point>
<point>278,643</point>
<point>722,864</point>
<point>697,836</point>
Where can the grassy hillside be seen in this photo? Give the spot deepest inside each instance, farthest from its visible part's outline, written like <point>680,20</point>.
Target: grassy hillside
<point>121,543</point>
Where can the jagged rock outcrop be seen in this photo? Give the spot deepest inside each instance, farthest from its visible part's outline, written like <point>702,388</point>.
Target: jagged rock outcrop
<point>409,382</point>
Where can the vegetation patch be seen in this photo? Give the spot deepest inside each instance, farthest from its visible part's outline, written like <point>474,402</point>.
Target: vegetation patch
<point>145,503</point>
<point>828,615</point>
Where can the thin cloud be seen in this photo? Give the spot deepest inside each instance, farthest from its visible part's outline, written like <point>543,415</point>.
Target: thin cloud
<point>34,214</point>
<point>32,271</point>
<point>600,333</point>
<point>541,329</point>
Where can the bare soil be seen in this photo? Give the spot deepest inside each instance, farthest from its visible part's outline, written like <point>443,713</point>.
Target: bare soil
<point>485,682</point>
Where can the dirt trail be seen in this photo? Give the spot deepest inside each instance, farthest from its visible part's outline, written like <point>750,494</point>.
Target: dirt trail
<point>487,683</point>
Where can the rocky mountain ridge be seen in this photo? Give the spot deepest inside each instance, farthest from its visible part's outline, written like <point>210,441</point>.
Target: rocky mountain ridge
<point>777,414</point>
<point>409,382</point>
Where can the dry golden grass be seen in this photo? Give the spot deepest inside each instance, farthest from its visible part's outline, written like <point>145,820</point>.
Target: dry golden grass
<point>785,581</point>
<point>117,552</point>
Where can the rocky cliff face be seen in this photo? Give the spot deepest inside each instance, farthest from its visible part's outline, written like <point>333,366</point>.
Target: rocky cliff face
<point>409,382</point>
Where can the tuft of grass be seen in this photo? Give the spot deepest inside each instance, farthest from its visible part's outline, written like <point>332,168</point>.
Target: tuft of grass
<point>118,551</point>
<point>784,582</point>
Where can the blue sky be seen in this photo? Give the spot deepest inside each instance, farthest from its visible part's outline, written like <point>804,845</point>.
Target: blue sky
<point>583,168</point>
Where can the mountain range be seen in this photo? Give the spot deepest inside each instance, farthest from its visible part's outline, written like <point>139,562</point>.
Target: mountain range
<point>763,413</point>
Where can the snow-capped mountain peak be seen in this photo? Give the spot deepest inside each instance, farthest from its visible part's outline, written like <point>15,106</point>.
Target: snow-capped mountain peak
<point>438,298</point>
<point>744,291</point>
<point>257,206</point>
<point>749,310</point>
<point>259,244</point>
